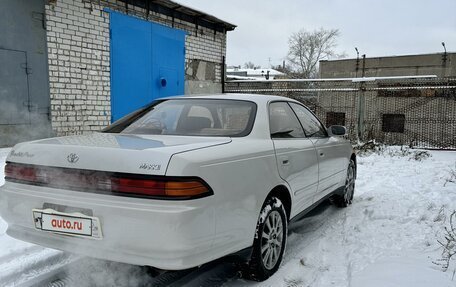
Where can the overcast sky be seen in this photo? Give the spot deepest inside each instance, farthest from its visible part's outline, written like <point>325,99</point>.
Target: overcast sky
<point>376,27</point>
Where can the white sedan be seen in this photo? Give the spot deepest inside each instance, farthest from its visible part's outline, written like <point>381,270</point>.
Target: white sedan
<point>180,182</point>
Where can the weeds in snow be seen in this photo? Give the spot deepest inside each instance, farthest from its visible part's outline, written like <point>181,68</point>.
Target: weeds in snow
<point>448,244</point>
<point>368,148</point>
<point>431,206</point>
<point>417,155</point>
<point>373,147</point>
<point>441,216</point>
<point>452,177</point>
<point>420,155</point>
<point>293,282</point>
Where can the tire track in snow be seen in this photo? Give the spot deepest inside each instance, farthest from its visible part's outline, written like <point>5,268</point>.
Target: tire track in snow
<point>25,268</point>
<point>20,252</point>
<point>78,274</point>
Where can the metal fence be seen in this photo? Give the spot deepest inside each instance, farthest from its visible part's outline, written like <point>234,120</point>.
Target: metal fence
<point>419,112</point>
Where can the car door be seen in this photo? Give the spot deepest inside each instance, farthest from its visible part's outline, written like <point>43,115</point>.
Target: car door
<point>331,151</point>
<point>295,154</point>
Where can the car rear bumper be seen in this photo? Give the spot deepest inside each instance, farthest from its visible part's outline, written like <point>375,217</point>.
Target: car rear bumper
<point>170,235</point>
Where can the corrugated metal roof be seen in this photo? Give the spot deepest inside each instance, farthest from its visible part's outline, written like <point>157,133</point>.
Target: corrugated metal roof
<point>182,12</point>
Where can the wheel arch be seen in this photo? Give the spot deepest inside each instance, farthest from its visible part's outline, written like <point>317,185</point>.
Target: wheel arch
<point>282,193</point>
<point>353,157</point>
<point>255,267</point>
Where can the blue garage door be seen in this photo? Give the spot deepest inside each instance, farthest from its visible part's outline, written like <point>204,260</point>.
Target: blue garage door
<point>147,62</point>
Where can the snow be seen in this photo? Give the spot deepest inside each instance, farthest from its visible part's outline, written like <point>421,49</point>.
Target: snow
<point>388,237</point>
<point>256,72</point>
<point>354,80</point>
<point>240,74</point>
<point>234,77</point>
<point>408,270</point>
<point>372,79</point>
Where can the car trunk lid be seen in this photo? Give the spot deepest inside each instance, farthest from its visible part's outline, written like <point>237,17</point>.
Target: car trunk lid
<point>136,154</point>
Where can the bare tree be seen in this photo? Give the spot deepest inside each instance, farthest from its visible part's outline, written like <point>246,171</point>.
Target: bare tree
<point>306,49</point>
<point>286,69</point>
<point>250,65</point>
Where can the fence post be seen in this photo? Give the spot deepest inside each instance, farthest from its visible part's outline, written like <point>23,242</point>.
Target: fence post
<point>223,75</point>
<point>361,102</point>
<point>360,115</point>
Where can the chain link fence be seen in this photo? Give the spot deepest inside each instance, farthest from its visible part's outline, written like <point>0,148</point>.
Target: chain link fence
<point>419,112</point>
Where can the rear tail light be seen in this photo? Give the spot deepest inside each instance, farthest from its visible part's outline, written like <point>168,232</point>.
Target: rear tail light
<point>189,188</point>
<point>24,173</point>
<point>138,186</point>
<point>120,184</point>
<point>160,187</point>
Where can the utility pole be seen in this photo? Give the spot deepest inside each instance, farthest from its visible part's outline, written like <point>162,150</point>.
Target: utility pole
<point>444,60</point>
<point>364,65</point>
<point>361,102</point>
<point>223,74</point>
<point>357,62</point>
<point>444,56</point>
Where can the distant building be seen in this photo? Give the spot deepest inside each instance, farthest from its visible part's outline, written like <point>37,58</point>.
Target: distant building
<point>441,65</point>
<point>252,74</point>
<point>396,108</point>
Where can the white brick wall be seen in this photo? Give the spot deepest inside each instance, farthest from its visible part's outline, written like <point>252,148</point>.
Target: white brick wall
<point>79,59</point>
<point>78,52</point>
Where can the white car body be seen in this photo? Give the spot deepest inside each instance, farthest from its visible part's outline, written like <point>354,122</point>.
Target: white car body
<point>175,234</point>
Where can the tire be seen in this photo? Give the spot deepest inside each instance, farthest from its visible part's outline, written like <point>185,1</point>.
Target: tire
<point>270,241</point>
<point>346,198</point>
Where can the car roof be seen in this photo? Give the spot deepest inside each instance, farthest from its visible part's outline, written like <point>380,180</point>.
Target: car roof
<point>257,98</point>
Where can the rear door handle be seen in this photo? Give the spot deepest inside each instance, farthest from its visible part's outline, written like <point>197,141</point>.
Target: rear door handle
<point>321,153</point>
<point>285,160</point>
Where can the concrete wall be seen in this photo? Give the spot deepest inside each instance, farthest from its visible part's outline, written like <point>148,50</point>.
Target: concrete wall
<point>79,61</point>
<point>429,64</point>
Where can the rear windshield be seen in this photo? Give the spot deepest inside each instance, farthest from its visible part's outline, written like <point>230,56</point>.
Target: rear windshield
<point>191,117</point>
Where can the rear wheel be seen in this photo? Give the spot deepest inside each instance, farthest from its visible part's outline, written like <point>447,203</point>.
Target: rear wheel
<point>346,198</point>
<point>270,241</point>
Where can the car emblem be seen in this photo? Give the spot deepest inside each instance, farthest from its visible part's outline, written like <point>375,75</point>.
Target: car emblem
<point>72,158</point>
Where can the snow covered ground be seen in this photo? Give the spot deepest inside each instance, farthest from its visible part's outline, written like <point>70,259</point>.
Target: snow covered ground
<point>388,237</point>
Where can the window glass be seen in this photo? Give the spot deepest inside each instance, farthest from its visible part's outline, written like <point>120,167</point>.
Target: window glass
<point>310,123</point>
<point>335,119</point>
<point>283,122</point>
<point>393,123</point>
<point>199,117</point>
<point>199,111</point>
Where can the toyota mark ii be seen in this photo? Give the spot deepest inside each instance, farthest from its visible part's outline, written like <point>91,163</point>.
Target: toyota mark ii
<point>180,182</point>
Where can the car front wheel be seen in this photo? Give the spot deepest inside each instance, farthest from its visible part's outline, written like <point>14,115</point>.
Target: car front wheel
<point>270,240</point>
<point>346,198</point>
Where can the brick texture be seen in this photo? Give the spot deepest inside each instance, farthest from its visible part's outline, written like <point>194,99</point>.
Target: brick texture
<point>79,59</point>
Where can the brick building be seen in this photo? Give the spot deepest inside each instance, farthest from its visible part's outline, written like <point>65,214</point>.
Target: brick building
<point>74,66</point>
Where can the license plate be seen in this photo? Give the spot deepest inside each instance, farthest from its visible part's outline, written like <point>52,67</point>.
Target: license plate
<point>74,224</point>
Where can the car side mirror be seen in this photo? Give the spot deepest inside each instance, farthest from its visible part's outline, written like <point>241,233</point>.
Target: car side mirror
<point>337,131</point>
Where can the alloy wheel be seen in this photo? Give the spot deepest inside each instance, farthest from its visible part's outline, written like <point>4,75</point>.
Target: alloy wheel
<point>349,184</point>
<point>272,240</point>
